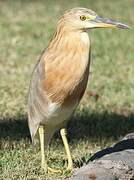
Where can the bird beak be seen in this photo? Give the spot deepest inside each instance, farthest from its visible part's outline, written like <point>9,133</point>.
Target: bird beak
<point>108,23</point>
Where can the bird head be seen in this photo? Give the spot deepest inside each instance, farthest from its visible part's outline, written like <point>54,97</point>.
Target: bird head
<point>84,19</point>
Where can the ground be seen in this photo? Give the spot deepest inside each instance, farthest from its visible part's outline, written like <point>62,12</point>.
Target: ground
<point>106,112</point>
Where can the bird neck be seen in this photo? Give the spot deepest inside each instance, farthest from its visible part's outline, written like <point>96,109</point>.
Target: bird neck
<point>68,57</point>
<point>68,39</point>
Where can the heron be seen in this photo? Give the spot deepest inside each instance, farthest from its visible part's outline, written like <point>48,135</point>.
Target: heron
<point>60,77</point>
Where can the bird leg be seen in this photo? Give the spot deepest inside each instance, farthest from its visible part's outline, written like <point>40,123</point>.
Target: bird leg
<point>43,157</point>
<point>65,142</point>
<point>43,160</point>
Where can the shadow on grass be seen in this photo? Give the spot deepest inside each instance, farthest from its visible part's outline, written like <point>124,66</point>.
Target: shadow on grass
<point>15,128</point>
<point>102,125</point>
<point>86,124</point>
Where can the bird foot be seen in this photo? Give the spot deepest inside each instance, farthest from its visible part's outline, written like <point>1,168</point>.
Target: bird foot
<point>53,171</point>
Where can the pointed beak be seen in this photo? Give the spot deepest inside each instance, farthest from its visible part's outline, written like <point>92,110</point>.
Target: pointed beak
<point>108,23</point>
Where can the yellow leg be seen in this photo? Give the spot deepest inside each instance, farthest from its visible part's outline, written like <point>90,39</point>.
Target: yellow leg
<point>65,142</point>
<point>43,157</point>
<point>43,160</point>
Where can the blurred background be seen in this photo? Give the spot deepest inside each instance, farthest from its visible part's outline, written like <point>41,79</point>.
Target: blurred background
<point>106,112</point>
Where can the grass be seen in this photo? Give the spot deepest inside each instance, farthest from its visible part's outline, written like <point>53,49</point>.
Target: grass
<point>25,29</point>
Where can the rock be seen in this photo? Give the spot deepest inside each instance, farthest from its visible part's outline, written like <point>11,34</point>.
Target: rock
<point>92,177</point>
<point>94,174</point>
<point>116,162</point>
<point>122,159</point>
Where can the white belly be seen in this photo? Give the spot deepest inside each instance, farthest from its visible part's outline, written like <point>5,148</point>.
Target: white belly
<point>57,115</point>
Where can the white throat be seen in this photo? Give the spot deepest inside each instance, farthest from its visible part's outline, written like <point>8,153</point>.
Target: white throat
<point>85,38</point>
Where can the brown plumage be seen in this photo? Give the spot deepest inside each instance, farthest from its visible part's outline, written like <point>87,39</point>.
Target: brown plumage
<point>60,77</point>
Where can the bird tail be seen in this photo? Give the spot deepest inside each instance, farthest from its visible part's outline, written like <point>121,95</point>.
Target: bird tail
<point>48,133</point>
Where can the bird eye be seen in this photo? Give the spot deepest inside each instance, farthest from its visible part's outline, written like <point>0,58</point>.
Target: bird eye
<point>83,18</point>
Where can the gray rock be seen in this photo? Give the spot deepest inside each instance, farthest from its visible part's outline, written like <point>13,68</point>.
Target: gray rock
<point>92,177</point>
<point>116,162</point>
<point>81,177</point>
<point>94,171</point>
<point>122,159</point>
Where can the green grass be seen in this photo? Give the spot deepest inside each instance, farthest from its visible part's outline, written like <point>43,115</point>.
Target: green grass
<point>25,29</point>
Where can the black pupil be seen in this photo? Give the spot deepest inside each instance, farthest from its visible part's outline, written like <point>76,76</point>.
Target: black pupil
<point>82,18</point>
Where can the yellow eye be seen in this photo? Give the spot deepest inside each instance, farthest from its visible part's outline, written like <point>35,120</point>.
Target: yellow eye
<point>83,18</point>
